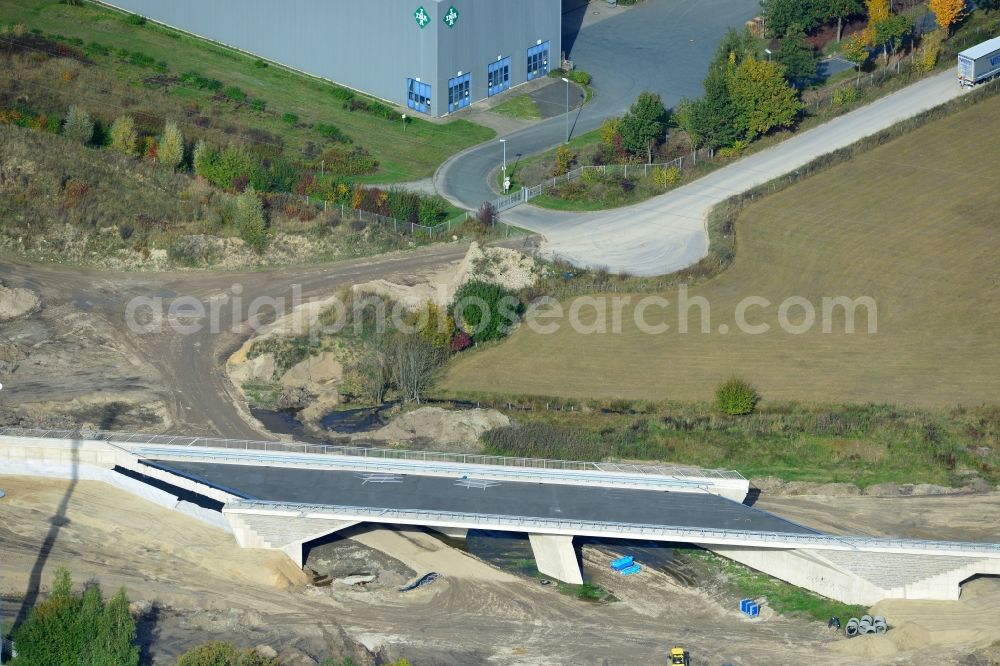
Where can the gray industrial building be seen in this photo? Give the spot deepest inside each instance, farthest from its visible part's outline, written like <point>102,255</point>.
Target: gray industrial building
<point>433,56</point>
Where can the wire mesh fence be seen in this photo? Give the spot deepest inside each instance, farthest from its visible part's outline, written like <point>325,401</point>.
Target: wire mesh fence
<point>348,214</point>
<point>527,193</point>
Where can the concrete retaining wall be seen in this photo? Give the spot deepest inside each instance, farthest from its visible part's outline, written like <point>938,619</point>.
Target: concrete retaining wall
<point>806,569</point>
<point>93,461</point>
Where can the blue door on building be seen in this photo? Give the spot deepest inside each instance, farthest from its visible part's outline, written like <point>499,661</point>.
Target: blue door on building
<point>458,92</point>
<point>418,96</point>
<point>498,76</point>
<point>538,61</point>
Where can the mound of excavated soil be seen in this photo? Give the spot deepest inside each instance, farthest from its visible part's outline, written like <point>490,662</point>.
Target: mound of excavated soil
<point>439,429</point>
<point>17,302</point>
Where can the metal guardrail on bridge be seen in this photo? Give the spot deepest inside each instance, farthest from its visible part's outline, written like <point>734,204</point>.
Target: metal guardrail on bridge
<point>630,530</point>
<point>429,467</point>
<point>364,452</point>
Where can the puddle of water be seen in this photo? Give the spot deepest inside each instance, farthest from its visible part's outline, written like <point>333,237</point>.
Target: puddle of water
<point>350,421</point>
<point>284,422</point>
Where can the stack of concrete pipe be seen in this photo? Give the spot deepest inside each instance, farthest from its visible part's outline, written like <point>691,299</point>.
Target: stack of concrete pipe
<point>867,624</point>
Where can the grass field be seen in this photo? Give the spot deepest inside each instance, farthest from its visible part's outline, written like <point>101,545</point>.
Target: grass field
<point>522,106</point>
<point>403,155</point>
<point>911,224</point>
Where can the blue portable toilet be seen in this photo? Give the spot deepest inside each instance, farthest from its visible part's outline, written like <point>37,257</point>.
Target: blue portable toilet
<point>622,563</point>
<point>744,603</point>
<point>753,610</point>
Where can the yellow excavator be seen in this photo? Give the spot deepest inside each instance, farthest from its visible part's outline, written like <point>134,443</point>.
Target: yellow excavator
<point>680,656</point>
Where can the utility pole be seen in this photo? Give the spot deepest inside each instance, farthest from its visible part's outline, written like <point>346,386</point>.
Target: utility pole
<point>566,81</point>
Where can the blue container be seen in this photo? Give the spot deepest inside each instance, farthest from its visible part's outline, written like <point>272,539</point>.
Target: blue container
<point>744,603</point>
<point>634,569</point>
<point>622,563</point>
<point>753,610</point>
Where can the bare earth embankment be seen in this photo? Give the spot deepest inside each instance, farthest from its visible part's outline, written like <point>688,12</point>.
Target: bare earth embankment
<point>203,587</point>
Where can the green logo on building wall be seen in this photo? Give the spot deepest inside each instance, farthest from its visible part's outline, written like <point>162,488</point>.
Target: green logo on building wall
<point>421,17</point>
<point>451,18</point>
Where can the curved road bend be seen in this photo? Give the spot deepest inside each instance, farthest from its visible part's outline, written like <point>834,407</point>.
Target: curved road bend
<point>668,233</point>
<point>659,45</point>
<point>192,383</point>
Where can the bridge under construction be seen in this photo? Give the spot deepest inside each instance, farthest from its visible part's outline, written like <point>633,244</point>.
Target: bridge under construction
<point>281,495</point>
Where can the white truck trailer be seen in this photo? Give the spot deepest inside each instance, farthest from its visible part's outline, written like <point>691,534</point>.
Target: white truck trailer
<point>979,63</point>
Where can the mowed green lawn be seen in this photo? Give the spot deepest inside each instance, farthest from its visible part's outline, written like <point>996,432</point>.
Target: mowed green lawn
<point>913,224</point>
<point>403,155</point>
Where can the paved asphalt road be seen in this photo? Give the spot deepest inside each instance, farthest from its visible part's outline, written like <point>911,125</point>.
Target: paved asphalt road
<point>436,493</point>
<point>668,233</point>
<point>659,45</point>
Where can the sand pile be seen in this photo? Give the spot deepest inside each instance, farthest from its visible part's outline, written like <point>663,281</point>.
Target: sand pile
<point>17,302</point>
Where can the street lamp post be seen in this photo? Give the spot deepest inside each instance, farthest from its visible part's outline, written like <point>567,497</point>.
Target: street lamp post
<point>504,142</point>
<point>768,52</point>
<point>404,122</point>
<point>566,81</point>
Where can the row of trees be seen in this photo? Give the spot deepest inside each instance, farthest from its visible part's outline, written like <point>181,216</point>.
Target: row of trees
<point>781,16</point>
<point>745,97</point>
<point>123,137</point>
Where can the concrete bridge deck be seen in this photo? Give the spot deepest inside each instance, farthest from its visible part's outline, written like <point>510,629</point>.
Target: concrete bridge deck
<point>676,507</point>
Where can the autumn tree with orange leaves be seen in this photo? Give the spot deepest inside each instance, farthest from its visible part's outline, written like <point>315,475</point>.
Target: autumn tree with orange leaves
<point>948,12</point>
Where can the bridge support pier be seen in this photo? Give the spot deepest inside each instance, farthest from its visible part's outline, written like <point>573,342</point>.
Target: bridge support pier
<point>453,532</point>
<point>556,557</point>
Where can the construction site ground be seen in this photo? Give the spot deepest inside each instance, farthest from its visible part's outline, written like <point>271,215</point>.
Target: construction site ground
<point>197,585</point>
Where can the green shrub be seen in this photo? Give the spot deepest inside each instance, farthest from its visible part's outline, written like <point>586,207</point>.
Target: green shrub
<point>404,205</point>
<point>78,127</point>
<point>332,132</point>
<point>736,397</point>
<point>258,105</point>
<point>124,136</point>
<point>224,654</point>
<point>486,311</point>
<point>371,107</point>
<point>579,76</point>
<point>432,210</point>
<point>664,177</point>
<point>214,84</point>
<point>70,628</point>
<point>735,150</point>
<point>343,94</point>
<point>233,168</point>
<point>171,147</point>
<point>259,64</point>
<point>845,96</point>
<point>135,19</point>
<point>347,162</point>
<point>235,93</point>
<point>434,325</point>
<point>140,59</point>
<point>95,48</point>
<point>250,222</point>
<point>290,118</point>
